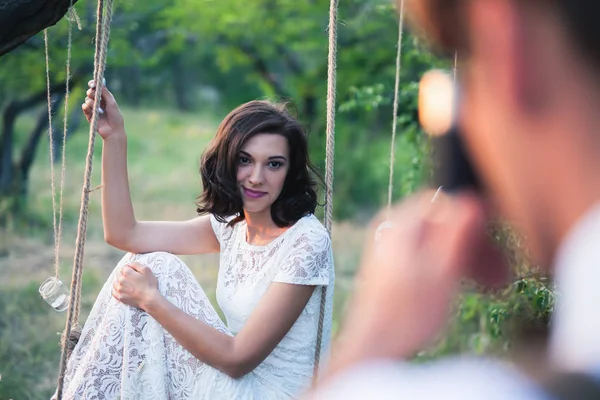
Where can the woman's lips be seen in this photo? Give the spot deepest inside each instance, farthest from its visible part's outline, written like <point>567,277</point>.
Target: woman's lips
<point>253,194</point>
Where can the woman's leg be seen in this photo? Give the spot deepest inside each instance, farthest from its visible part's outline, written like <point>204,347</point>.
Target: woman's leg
<point>124,352</point>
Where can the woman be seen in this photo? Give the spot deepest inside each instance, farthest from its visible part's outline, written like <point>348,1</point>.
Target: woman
<point>152,333</point>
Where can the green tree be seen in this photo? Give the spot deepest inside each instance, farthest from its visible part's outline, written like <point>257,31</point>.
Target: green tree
<point>282,46</point>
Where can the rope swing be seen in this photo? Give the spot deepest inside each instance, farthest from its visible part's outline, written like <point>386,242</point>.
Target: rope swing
<point>396,95</point>
<point>329,158</point>
<point>103,22</point>
<point>386,224</point>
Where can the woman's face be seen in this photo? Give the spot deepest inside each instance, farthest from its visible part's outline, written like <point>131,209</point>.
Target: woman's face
<point>263,163</point>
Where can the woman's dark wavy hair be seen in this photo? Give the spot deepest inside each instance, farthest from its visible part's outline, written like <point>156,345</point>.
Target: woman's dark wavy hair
<point>218,168</point>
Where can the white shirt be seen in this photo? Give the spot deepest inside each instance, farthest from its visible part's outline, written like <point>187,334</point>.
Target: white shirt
<point>575,339</point>
<point>575,342</point>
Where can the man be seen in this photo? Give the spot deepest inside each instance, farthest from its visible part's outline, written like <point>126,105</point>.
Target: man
<point>529,116</point>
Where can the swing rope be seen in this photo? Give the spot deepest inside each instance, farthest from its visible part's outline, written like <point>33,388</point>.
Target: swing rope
<point>104,19</point>
<point>395,116</point>
<point>57,225</point>
<point>330,127</point>
<point>64,137</point>
<point>329,158</point>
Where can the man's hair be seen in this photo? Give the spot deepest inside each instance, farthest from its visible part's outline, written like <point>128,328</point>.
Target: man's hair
<point>444,23</point>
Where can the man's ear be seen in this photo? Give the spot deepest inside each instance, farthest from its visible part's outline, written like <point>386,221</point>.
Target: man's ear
<point>529,69</point>
<point>507,36</point>
<point>505,40</point>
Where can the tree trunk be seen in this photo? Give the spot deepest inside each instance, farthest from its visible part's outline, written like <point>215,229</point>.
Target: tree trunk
<point>128,84</point>
<point>181,84</point>
<point>261,67</point>
<point>6,147</point>
<point>72,126</point>
<point>11,112</point>
<point>309,108</point>
<point>28,155</point>
<point>22,19</point>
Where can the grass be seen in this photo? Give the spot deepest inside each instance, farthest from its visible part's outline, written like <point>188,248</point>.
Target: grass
<point>164,148</point>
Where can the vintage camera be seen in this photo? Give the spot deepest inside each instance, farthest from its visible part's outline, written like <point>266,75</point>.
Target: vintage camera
<point>438,116</point>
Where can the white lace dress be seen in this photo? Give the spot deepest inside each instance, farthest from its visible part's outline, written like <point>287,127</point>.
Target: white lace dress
<point>124,353</point>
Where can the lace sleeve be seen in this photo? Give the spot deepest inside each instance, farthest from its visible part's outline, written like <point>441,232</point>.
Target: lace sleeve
<point>222,231</point>
<point>308,260</point>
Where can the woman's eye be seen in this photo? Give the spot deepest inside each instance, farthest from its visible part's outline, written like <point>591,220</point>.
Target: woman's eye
<point>274,164</point>
<point>244,160</point>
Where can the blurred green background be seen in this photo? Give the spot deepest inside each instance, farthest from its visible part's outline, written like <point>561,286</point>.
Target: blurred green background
<point>177,68</point>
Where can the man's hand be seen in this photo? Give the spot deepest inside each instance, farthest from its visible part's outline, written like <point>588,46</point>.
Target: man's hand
<point>410,276</point>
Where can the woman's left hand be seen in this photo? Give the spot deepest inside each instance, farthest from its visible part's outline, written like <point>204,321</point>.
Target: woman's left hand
<point>136,286</point>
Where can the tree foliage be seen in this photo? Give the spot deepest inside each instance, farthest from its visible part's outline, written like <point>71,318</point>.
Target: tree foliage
<point>213,55</point>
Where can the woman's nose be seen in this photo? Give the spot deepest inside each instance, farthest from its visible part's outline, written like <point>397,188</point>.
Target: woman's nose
<point>256,176</point>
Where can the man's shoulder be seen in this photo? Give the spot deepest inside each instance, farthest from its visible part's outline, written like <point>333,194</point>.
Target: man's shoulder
<point>452,378</point>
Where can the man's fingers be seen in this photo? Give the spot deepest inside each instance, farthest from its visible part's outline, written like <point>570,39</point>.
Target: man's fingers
<point>491,267</point>
<point>464,224</point>
<point>469,248</point>
<point>448,233</point>
<point>404,215</point>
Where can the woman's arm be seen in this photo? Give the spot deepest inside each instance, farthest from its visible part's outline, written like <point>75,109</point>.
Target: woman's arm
<point>121,229</point>
<point>236,356</point>
<point>306,266</point>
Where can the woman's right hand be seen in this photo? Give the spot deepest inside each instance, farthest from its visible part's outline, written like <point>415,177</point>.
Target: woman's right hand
<point>110,119</point>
